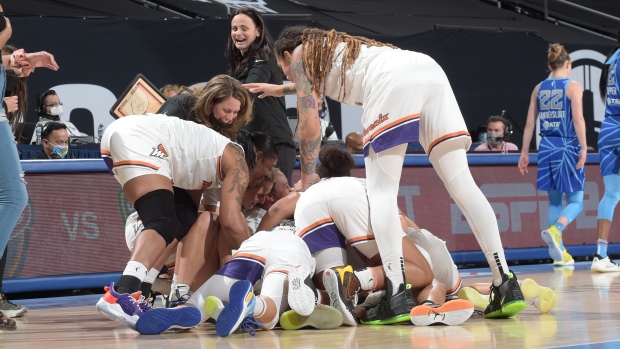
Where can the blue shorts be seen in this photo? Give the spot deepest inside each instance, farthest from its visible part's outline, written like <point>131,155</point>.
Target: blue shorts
<point>557,158</point>
<point>609,146</point>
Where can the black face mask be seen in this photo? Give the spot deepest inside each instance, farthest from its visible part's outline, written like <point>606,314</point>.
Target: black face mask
<point>12,81</point>
<point>217,124</point>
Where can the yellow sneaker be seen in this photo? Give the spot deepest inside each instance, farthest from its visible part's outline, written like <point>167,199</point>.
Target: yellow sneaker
<point>553,237</point>
<point>480,301</point>
<point>543,298</point>
<point>567,259</point>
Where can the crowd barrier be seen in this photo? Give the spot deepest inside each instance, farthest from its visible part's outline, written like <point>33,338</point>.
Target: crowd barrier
<point>71,234</point>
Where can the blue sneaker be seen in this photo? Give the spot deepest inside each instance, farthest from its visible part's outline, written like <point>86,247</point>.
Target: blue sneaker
<point>120,307</point>
<point>158,320</point>
<point>239,311</point>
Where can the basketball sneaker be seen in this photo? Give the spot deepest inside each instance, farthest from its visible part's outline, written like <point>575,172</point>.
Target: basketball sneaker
<point>450,313</point>
<point>553,237</point>
<point>159,320</point>
<point>392,308</point>
<point>239,311</point>
<point>603,265</point>
<point>323,317</point>
<point>567,259</point>
<point>179,296</point>
<point>213,307</point>
<point>506,300</point>
<point>120,307</point>
<point>11,309</point>
<point>342,286</point>
<point>370,301</point>
<point>479,300</point>
<point>543,298</point>
<point>302,295</point>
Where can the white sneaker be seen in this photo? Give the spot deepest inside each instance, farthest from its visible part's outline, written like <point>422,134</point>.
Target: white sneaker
<point>301,297</point>
<point>604,265</point>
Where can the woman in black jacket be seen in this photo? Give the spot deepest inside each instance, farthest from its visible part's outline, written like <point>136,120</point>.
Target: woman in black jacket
<point>251,59</point>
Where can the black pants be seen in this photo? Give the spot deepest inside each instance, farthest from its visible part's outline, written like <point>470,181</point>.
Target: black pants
<point>287,157</point>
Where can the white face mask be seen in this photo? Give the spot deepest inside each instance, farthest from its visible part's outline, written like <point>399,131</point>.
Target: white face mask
<point>57,110</point>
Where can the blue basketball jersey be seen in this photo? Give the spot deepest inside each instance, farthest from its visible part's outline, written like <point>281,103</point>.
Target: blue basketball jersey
<point>554,109</point>
<point>612,101</point>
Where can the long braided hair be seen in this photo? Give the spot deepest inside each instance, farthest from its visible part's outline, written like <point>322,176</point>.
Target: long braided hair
<point>319,51</point>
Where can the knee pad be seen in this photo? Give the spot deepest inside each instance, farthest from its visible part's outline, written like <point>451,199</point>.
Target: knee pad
<point>157,212</point>
<point>186,209</point>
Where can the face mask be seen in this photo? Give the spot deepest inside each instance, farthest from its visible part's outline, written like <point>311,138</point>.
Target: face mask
<point>57,111</point>
<point>60,151</point>
<point>495,139</point>
<point>217,124</point>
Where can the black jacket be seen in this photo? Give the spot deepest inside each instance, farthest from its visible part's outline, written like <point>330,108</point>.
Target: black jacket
<point>268,114</point>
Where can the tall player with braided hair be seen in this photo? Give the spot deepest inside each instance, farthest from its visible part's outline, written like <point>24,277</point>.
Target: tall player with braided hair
<point>406,98</point>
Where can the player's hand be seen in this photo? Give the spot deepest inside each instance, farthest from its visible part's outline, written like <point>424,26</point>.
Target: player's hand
<point>265,90</point>
<point>582,158</point>
<point>42,59</point>
<point>524,160</point>
<point>11,103</point>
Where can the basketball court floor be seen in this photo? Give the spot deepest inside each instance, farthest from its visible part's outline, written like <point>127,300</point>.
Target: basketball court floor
<point>586,316</point>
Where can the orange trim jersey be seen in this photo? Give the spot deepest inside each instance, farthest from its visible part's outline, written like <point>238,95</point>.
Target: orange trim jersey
<point>186,152</point>
<point>406,97</point>
<point>267,252</point>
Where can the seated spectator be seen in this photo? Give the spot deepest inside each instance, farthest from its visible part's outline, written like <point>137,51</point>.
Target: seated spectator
<point>54,140</point>
<point>170,90</point>
<point>354,142</point>
<point>49,108</point>
<point>498,132</point>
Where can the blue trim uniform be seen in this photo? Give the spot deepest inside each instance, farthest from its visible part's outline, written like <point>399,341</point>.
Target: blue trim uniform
<point>558,152</point>
<point>609,136</point>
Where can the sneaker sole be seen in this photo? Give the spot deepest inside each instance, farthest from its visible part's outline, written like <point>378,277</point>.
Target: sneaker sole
<point>554,250</point>
<point>233,314</point>
<point>450,313</point>
<point>115,313</point>
<point>594,267</point>
<point>479,301</point>
<point>394,320</point>
<point>334,289</point>
<point>508,310</point>
<point>546,296</point>
<point>213,307</point>
<point>158,320</point>
<point>323,317</point>
<point>300,297</point>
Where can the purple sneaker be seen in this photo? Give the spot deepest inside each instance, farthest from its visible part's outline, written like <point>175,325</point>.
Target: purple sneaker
<point>120,307</point>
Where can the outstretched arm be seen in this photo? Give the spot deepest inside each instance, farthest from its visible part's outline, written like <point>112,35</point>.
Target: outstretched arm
<point>270,90</point>
<point>308,123</point>
<point>283,208</point>
<point>236,177</point>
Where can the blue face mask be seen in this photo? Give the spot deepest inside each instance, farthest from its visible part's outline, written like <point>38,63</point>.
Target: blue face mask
<point>60,151</point>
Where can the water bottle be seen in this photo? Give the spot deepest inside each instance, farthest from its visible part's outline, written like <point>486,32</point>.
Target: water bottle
<point>100,132</point>
<point>38,132</point>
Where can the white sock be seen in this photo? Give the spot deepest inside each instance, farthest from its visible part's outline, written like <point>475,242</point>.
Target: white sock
<point>151,276</point>
<point>136,269</point>
<point>260,307</point>
<point>367,278</point>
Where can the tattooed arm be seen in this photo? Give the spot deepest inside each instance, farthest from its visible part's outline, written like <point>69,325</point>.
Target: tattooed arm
<point>272,90</point>
<point>309,126</point>
<point>236,177</point>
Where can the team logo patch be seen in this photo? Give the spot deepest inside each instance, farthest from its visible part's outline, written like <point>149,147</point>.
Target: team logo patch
<point>205,185</point>
<point>382,119</point>
<point>159,152</point>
